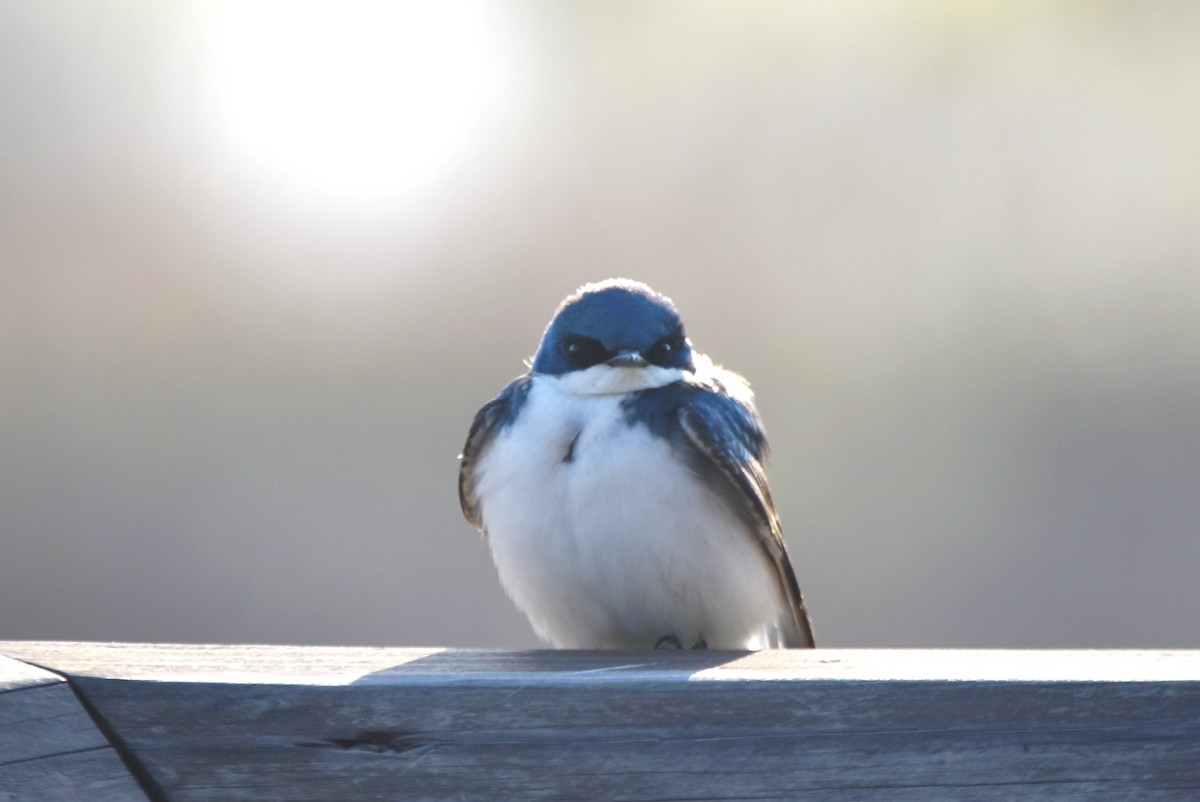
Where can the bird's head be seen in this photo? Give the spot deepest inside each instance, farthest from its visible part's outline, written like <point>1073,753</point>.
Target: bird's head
<point>614,336</point>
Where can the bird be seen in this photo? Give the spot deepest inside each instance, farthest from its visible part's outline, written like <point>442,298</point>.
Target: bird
<point>620,485</point>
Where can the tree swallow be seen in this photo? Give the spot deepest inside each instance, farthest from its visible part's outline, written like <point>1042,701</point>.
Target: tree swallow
<point>620,484</point>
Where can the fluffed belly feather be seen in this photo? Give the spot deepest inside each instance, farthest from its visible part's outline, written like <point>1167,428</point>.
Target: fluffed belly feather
<point>604,537</point>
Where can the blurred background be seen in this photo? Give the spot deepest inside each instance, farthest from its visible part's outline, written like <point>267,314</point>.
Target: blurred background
<point>260,262</point>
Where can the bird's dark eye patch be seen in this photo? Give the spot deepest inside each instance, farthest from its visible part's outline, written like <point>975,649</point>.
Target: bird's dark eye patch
<point>583,352</point>
<point>665,352</point>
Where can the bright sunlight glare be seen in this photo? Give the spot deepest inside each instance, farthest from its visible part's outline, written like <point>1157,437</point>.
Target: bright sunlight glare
<point>356,104</point>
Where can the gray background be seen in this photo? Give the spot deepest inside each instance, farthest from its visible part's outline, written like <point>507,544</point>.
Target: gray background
<point>258,271</point>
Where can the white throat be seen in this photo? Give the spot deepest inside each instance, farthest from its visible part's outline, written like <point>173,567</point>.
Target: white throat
<point>609,380</point>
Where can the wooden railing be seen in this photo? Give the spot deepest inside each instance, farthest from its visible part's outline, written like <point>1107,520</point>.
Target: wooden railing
<point>168,723</point>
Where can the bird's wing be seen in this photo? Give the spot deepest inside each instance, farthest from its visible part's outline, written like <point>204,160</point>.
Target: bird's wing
<point>500,410</point>
<point>728,436</point>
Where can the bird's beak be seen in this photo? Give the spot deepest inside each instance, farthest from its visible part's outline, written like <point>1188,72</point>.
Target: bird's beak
<point>627,359</point>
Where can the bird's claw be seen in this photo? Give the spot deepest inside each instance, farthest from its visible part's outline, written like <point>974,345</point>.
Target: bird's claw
<point>671,641</point>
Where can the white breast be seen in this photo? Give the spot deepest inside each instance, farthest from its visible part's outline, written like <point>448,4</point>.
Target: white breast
<point>617,544</point>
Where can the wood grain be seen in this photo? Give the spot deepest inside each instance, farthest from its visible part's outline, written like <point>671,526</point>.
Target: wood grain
<point>269,723</point>
<point>49,748</point>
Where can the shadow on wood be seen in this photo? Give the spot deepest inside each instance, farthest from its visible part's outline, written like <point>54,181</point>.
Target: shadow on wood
<point>271,723</point>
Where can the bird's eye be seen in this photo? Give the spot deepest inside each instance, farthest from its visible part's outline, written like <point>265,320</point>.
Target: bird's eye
<point>664,351</point>
<point>583,352</point>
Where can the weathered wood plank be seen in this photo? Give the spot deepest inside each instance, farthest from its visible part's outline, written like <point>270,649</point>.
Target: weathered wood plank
<point>251,723</point>
<point>16,676</point>
<point>49,748</point>
<point>341,664</point>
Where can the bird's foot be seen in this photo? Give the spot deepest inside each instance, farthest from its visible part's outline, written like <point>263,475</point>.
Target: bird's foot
<point>671,641</point>
<point>668,642</point>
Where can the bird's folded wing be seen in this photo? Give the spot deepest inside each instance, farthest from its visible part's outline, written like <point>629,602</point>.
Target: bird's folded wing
<point>727,434</point>
<point>500,410</point>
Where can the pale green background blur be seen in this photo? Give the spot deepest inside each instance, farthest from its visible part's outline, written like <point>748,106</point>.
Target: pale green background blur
<point>261,262</point>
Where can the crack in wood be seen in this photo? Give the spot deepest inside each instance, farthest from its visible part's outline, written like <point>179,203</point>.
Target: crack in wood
<point>51,756</point>
<point>376,741</point>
